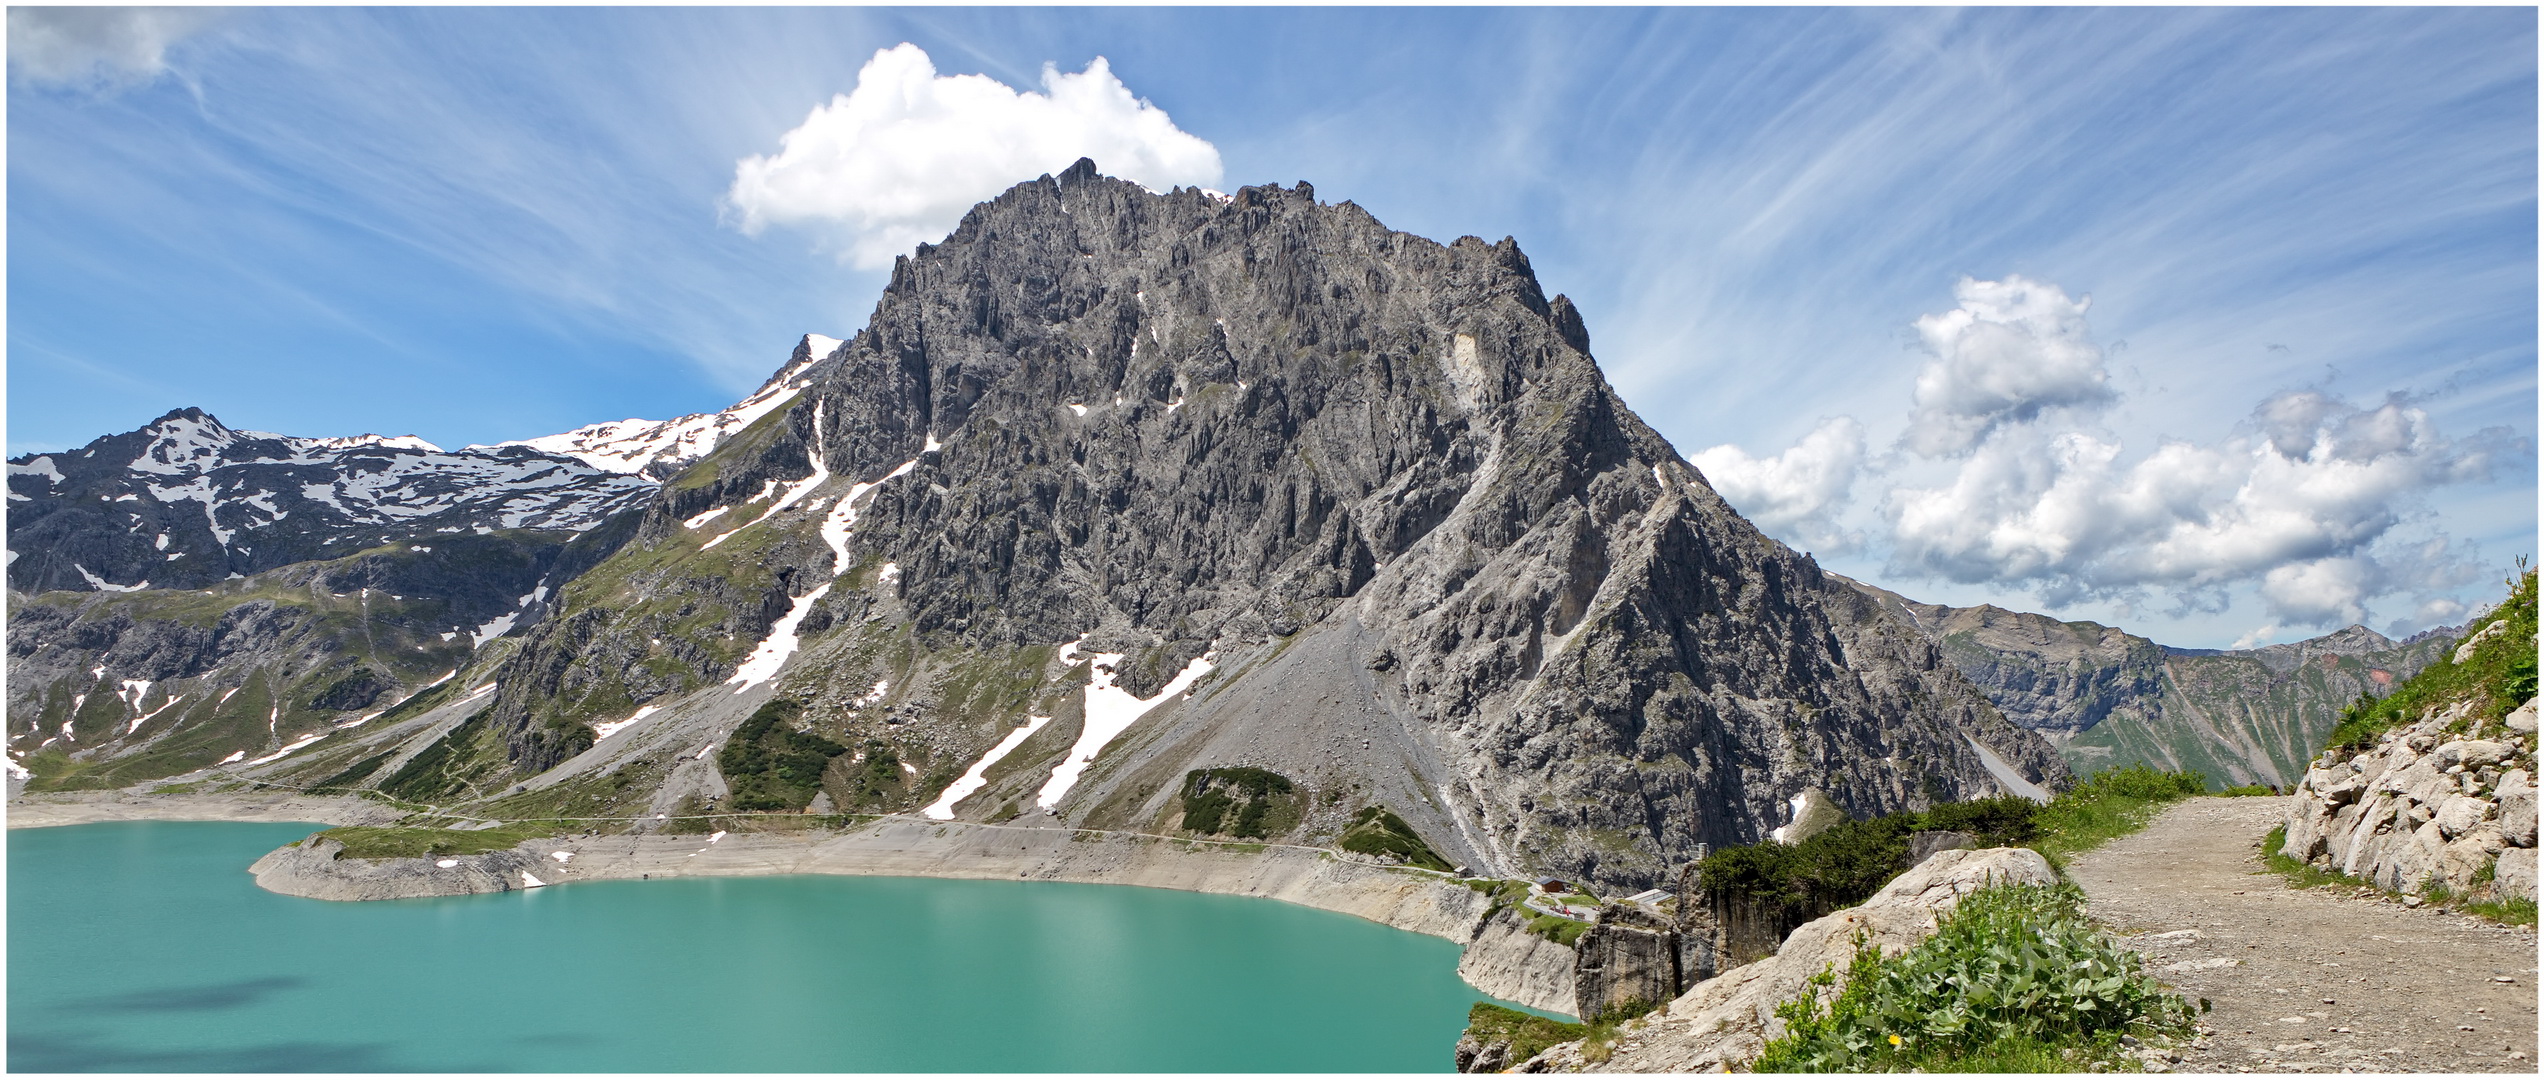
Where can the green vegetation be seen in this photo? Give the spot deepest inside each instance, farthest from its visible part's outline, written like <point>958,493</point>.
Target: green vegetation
<point>352,777</point>
<point>450,767</point>
<point>401,842</point>
<point>2499,676</point>
<point>1375,830</point>
<point>2012,977</point>
<point>2110,804</point>
<point>1265,802</point>
<point>772,766</point>
<point>1528,1034</point>
<point>2248,790</point>
<point>1850,861</point>
<point>1558,929</point>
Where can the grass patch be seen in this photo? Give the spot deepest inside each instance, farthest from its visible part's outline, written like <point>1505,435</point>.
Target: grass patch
<point>1557,929</point>
<point>2498,676</point>
<point>2243,791</point>
<point>399,842</point>
<point>1527,1033</point>
<point>2011,979</point>
<point>2111,804</point>
<point>1375,830</point>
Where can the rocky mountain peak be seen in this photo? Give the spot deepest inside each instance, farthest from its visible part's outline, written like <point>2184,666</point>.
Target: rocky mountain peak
<point>1374,485</point>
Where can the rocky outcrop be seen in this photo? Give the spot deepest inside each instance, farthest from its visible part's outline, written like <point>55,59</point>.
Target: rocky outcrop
<point>1626,963</point>
<point>317,866</point>
<point>1725,1021</point>
<point>2426,805</point>
<point>1521,966</point>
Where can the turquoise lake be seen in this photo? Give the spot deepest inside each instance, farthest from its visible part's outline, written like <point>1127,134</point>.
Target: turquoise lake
<point>146,947</point>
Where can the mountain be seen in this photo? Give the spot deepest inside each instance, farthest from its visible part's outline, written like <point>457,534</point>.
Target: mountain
<point>186,502</point>
<point>1117,487</point>
<point>2107,698</point>
<point>659,449</point>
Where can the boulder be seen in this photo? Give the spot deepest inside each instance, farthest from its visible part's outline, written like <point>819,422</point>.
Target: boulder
<point>1724,1021</point>
<point>2517,809</point>
<point>2469,753</point>
<point>2459,815</point>
<point>2514,875</point>
<point>2523,718</point>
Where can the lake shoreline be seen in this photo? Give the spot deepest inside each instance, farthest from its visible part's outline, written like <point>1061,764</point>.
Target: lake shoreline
<point>1406,899</point>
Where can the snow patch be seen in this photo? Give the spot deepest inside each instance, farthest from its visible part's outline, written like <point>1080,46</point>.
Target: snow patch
<point>1110,711</point>
<point>780,644</point>
<point>872,696</point>
<point>842,522</point>
<point>145,717</point>
<point>103,585</point>
<point>1077,408</point>
<point>560,856</point>
<point>447,863</point>
<point>495,627</point>
<point>278,754</point>
<point>890,572</point>
<point>42,466</point>
<point>233,757</point>
<point>603,731</point>
<point>706,516</point>
<point>531,881</point>
<point>975,778</point>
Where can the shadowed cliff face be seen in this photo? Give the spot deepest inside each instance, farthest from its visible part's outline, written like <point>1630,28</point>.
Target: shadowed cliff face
<point>1379,481</point>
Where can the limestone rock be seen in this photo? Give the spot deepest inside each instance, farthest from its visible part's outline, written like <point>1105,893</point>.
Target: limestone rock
<point>2514,875</point>
<point>1723,1022</point>
<point>1629,960</point>
<point>2522,718</point>
<point>2419,808</point>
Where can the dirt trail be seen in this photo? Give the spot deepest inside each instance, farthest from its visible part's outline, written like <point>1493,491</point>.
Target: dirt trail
<point>2309,980</point>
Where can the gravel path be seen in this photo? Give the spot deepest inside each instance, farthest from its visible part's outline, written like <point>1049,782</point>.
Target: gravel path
<point>2309,980</point>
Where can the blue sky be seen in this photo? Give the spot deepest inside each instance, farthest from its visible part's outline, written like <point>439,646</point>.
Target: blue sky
<point>2302,390</point>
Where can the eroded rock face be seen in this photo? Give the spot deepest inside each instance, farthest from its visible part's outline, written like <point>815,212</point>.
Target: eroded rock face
<point>1725,1021</point>
<point>1628,961</point>
<point>2422,807</point>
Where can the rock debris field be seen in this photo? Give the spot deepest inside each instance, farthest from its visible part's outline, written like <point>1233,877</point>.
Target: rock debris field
<point>2309,980</point>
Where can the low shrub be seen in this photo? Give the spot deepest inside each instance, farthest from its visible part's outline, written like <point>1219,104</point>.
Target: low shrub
<point>2011,975</point>
<point>1261,798</point>
<point>1375,830</point>
<point>769,765</point>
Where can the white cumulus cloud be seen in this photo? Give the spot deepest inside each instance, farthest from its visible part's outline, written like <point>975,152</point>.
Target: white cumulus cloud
<point>2304,504</point>
<point>101,47</point>
<point>1794,495</point>
<point>896,161</point>
<point>2013,348</point>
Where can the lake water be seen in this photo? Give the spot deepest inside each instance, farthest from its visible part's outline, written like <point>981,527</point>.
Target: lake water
<point>147,947</point>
